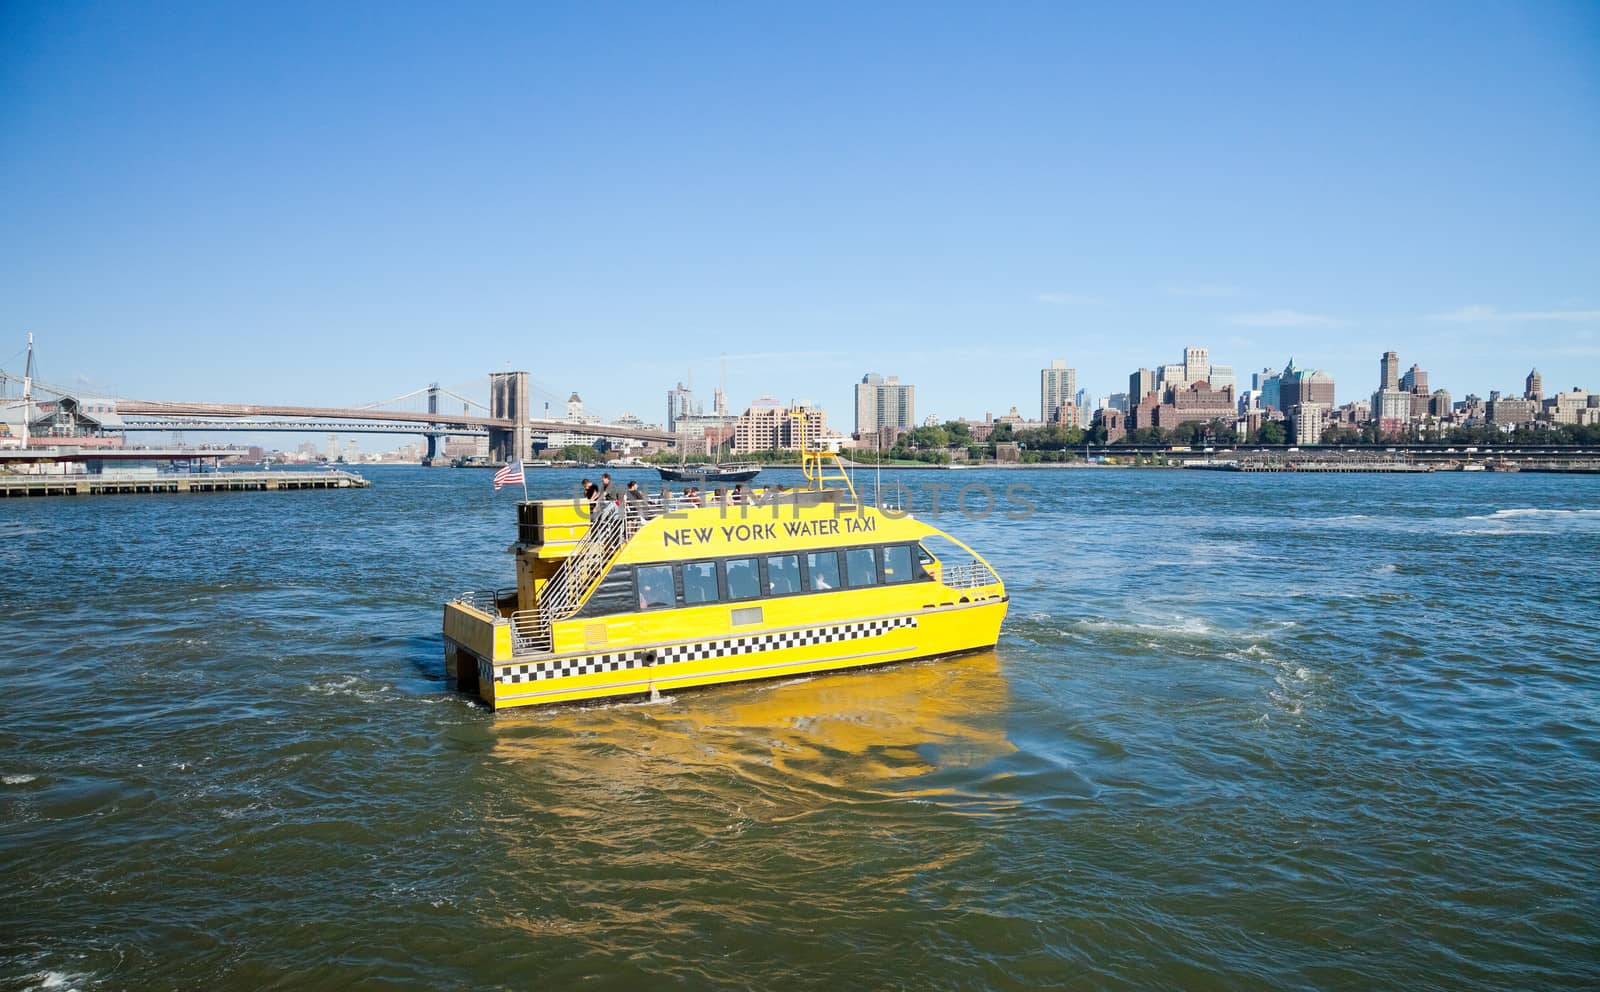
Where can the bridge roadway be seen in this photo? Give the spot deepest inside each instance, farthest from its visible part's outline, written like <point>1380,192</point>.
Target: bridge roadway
<point>445,423</point>
<point>201,424</point>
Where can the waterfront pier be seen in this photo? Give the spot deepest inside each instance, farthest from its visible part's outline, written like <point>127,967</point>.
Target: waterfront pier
<point>118,484</point>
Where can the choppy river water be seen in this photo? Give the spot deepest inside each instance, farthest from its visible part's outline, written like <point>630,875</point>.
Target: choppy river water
<point>1239,732</point>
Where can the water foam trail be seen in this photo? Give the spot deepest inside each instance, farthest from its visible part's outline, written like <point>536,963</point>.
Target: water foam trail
<point>1531,511</point>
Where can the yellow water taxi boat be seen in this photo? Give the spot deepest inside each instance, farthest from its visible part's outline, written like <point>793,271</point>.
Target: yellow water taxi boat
<point>644,596</point>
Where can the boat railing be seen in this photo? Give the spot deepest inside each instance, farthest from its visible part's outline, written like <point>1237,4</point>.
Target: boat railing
<point>970,574</point>
<point>641,511</point>
<point>530,633</point>
<point>485,600</point>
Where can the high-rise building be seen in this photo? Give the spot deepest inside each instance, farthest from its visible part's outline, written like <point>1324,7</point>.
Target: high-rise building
<point>681,404</point>
<point>768,426</point>
<point>1415,381</point>
<point>883,403</point>
<point>1310,420</point>
<point>1220,376</point>
<point>1316,386</point>
<point>1266,384</point>
<point>1289,387</point>
<point>1505,411</point>
<point>1534,387</point>
<point>1575,406</point>
<point>1140,384</point>
<point>1195,367</point>
<point>1389,372</point>
<point>1391,407</point>
<point>1198,402</point>
<point>1056,385</point>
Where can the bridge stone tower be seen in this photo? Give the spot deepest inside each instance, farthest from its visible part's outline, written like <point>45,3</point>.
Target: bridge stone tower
<point>508,399</point>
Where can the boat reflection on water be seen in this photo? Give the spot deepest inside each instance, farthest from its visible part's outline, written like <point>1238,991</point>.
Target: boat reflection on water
<point>751,817</point>
<point>771,750</point>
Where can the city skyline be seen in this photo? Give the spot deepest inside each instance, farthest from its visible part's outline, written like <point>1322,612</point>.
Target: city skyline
<point>256,205</point>
<point>1380,368</point>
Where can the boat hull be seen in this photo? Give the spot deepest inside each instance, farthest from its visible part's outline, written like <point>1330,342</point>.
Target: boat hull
<point>823,646</point>
<point>696,475</point>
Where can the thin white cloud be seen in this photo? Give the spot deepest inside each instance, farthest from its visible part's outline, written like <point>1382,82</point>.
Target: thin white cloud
<point>1068,299</point>
<point>1202,291</point>
<point>1479,313</point>
<point>1285,318</point>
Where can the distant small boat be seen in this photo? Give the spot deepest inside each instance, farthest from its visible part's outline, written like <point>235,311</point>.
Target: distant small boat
<point>742,472</point>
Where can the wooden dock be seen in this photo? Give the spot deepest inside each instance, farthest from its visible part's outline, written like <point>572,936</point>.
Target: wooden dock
<point>112,484</point>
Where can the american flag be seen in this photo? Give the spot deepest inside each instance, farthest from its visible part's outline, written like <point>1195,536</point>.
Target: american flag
<point>510,475</point>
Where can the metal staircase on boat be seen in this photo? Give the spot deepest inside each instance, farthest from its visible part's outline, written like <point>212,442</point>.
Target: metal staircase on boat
<point>564,593</point>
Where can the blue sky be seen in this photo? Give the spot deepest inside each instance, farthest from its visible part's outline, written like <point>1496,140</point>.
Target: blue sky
<point>334,203</point>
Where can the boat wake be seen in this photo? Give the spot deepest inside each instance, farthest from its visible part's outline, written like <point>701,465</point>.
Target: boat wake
<point>1533,511</point>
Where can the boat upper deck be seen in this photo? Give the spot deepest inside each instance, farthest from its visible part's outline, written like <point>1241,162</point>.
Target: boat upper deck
<point>553,528</point>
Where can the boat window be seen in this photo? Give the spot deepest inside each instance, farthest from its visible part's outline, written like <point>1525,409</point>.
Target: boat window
<point>700,582</point>
<point>924,556</point>
<point>783,575</point>
<point>823,568</point>
<point>744,579</point>
<point>897,564</point>
<point>655,586</point>
<point>861,565</point>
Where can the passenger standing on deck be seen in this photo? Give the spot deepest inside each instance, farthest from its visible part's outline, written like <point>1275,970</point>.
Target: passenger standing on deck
<point>591,494</point>
<point>607,491</point>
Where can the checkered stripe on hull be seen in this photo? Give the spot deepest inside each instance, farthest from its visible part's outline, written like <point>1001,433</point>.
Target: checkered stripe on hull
<point>724,647</point>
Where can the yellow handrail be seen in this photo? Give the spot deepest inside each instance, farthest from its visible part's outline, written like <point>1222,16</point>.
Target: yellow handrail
<point>814,464</point>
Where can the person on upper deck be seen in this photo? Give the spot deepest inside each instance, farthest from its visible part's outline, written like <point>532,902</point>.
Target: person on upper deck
<point>608,492</point>
<point>634,494</point>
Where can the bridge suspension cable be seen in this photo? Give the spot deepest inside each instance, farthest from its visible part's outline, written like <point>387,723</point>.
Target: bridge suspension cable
<point>454,395</point>
<point>40,386</point>
<point>392,401</point>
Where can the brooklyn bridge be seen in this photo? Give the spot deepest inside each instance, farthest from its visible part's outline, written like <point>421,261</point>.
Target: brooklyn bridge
<point>431,411</point>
